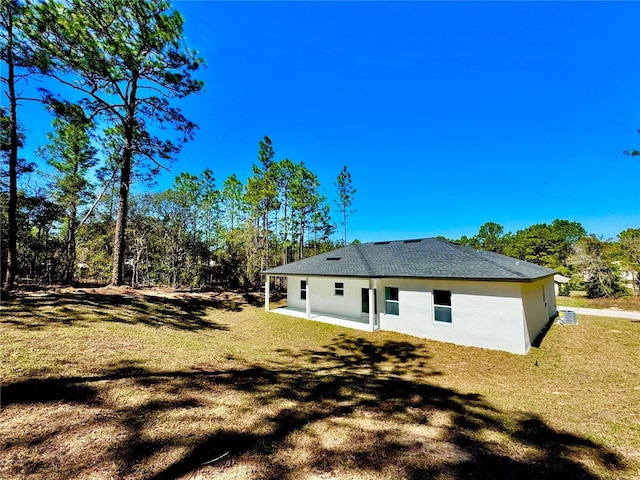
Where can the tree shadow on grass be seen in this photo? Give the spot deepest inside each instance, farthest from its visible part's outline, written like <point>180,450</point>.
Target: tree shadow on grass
<point>38,312</point>
<point>351,409</point>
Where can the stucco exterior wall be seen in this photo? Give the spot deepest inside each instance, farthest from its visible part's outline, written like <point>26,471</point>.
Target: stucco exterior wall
<point>321,291</point>
<point>495,315</point>
<point>538,305</point>
<point>484,314</point>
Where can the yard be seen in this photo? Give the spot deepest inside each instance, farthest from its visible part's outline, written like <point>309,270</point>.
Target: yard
<point>150,385</point>
<point>579,299</point>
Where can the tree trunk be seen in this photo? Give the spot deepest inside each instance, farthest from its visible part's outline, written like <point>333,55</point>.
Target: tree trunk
<point>12,244</point>
<point>266,240</point>
<point>344,218</point>
<point>285,228</point>
<point>121,219</point>
<point>117,275</point>
<point>72,225</point>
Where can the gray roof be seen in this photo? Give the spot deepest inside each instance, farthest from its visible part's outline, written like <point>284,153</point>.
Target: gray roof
<point>420,258</point>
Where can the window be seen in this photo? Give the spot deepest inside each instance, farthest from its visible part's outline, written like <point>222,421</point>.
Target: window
<point>442,306</point>
<point>303,289</point>
<point>391,300</point>
<point>339,289</point>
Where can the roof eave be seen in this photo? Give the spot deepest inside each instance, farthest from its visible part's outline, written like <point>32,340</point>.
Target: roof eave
<point>478,279</point>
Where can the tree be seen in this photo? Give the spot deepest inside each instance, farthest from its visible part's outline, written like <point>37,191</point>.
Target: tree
<point>547,245</point>
<point>630,245</point>
<point>305,200</point>
<point>126,59</point>
<point>232,200</point>
<point>602,278</point>
<point>72,155</point>
<point>16,53</point>
<point>283,172</point>
<point>345,197</point>
<point>565,235</point>
<point>490,237</point>
<point>323,228</point>
<point>260,196</point>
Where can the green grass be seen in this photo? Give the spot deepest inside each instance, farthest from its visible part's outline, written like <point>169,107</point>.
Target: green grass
<point>103,384</point>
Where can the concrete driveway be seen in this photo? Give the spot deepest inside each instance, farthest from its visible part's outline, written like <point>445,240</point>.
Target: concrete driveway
<point>601,312</point>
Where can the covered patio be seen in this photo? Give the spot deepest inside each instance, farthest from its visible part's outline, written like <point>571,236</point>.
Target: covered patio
<point>358,324</point>
<point>367,322</point>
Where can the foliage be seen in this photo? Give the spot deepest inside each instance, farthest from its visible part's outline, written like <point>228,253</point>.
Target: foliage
<point>16,53</point>
<point>346,194</point>
<point>72,155</point>
<point>630,252</point>
<point>126,59</point>
<point>602,277</point>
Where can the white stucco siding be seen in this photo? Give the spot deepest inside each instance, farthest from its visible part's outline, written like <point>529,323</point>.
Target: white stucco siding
<point>550,294</point>
<point>495,315</point>
<point>325,301</point>
<point>322,293</point>
<point>484,314</point>
<point>293,293</point>
<point>538,305</point>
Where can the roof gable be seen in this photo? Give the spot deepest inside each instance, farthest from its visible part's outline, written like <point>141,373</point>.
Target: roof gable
<point>417,258</point>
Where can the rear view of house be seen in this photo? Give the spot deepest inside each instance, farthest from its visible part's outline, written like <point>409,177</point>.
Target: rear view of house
<point>428,288</point>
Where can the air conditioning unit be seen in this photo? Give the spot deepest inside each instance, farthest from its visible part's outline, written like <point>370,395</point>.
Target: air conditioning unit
<point>567,317</point>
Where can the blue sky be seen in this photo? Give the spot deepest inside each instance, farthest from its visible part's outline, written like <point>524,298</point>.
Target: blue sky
<point>447,114</point>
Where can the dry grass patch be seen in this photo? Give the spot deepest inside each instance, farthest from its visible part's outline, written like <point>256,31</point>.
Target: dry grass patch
<point>104,385</point>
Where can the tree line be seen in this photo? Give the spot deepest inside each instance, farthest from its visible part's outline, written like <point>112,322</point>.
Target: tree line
<point>592,263</point>
<point>116,71</point>
<point>194,234</point>
<point>120,68</point>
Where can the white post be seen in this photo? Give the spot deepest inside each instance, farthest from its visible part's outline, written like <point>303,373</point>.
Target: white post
<point>266,293</point>
<point>308,299</point>
<point>372,307</point>
<point>376,317</point>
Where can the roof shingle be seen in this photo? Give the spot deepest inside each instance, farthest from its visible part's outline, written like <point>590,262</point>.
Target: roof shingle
<point>420,258</point>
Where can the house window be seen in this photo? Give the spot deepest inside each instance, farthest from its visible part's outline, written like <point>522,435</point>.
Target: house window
<point>303,289</point>
<point>391,301</point>
<point>339,289</point>
<point>442,306</point>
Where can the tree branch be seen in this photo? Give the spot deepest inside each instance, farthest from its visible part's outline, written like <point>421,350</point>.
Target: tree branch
<point>98,198</point>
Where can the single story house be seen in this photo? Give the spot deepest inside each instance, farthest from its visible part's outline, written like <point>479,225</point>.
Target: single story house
<point>428,288</point>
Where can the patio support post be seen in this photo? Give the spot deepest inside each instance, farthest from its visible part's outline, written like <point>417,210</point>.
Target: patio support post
<point>376,317</point>
<point>372,307</point>
<point>266,293</point>
<point>308,299</point>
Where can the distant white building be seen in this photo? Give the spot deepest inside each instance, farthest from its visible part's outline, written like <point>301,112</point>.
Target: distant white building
<point>559,280</point>
<point>628,277</point>
<point>428,288</point>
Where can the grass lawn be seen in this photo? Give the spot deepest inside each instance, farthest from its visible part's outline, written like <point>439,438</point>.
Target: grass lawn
<point>579,299</point>
<point>118,384</point>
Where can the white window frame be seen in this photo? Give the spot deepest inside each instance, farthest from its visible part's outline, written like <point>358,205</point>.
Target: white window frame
<point>338,291</point>
<point>437,305</point>
<point>387,301</point>
<point>303,289</point>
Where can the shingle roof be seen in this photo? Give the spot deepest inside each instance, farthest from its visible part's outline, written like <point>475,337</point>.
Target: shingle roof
<point>420,258</point>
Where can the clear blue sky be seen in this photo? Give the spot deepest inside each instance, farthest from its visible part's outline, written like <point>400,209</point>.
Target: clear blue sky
<point>447,114</point>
